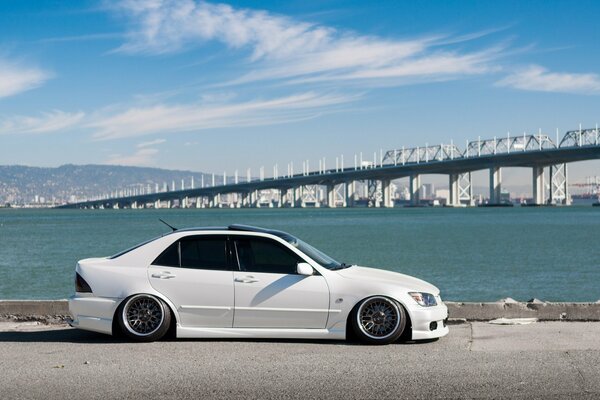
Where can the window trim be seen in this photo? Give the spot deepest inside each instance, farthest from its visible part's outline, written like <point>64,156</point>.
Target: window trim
<point>234,243</point>
<point>229,261</point>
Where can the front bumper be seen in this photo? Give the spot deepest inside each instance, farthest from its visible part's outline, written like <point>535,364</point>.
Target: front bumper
<point>422,319</point>
<point>92,313</point>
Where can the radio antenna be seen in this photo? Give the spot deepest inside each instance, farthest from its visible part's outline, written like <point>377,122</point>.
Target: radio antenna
<point>167,224</point>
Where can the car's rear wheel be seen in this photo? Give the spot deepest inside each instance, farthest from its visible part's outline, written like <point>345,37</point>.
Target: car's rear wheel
<point>144,318</point>
<point>378,320</point>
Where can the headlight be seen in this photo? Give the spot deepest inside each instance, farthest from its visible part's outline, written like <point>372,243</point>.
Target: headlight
<point>424,299</point>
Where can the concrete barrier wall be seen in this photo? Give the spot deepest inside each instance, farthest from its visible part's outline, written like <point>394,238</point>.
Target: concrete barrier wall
<point>541,311</point>
<point>468,311</point>
<point>34,307</point>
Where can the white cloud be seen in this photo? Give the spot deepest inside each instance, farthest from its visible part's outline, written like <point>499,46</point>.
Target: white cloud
<point>141,120</point>
<point>48,122</point>
<point>537,78</point>
<point>16,78</point>
<point>150,143</point>
<point>162,118</point>
<point>281,47</point>
<point>142,157</point>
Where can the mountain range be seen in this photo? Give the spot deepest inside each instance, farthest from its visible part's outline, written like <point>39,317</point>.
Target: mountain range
<point>22,184</point>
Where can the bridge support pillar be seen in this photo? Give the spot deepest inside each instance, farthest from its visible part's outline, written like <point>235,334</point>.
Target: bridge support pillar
<point>559,185</point>
<point>495,185</point>
<point>331,196</point>
<point>294,197</point>
<point>386,189</point>
<point>281,193</point>
<point>256,199</point>
<point>216,201</point>
<point>374,193</point>
<point>350,193</point>
<point>538,186</point>
<point>169,204</point>
<point>310,195</point>
<point>415,189</point>
<point>157,204</point>
<point>198,202</point>
<point>453,186</point>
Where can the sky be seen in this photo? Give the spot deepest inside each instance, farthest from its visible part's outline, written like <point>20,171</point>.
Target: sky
<point>213,87</point>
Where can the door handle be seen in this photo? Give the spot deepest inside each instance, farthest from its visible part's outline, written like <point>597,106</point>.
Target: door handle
<point>246,279</point>
<point>163,275</point>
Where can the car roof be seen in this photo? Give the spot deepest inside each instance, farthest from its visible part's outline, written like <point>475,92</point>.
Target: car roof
<point>241,228</point>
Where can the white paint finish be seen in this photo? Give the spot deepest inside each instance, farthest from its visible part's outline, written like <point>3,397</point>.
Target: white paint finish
<point>205,308</point>
<point>233,333</point>
<point>268,305</point>
<point>280,301</point>
<point>94,324</point>
<point>203,298</point>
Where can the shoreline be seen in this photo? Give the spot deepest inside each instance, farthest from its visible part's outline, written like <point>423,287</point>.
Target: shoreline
<point>57,311</point>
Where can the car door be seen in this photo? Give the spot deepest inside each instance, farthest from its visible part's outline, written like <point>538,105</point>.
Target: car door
<point>268,291</point>
<point>195,273</point>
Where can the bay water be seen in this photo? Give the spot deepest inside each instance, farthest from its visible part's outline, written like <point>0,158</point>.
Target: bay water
<point>471,254</point>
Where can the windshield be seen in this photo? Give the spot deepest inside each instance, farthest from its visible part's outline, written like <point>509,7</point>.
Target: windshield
<point>323,259</point>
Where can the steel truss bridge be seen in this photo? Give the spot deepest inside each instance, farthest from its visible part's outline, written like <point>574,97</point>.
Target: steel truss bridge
<point>338,187</point>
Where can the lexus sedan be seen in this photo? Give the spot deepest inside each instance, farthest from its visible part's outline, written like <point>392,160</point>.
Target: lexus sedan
<point>247,282</point>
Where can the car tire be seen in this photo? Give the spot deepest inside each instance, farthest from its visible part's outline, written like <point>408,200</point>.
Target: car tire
<point>378,320</point>
<point>144,318</point>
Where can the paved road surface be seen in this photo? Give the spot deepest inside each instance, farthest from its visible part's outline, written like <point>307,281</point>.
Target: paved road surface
<point>478,360</point>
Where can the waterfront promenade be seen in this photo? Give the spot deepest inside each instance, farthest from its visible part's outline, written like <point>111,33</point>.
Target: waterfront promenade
<point>476,360</point>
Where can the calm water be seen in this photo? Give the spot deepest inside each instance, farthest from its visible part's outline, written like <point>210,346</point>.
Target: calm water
<point>470,254</point>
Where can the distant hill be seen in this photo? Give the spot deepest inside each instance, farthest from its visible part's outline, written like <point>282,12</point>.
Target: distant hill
<point>21,184</point>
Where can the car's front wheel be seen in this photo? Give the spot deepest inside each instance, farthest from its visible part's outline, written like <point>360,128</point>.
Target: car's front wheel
<point>378,320</point>
<point>144,318</point>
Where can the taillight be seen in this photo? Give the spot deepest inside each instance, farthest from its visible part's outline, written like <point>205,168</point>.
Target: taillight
<point>81,286</point>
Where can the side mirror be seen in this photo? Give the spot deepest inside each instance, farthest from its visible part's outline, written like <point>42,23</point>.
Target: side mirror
<point>305,269</point>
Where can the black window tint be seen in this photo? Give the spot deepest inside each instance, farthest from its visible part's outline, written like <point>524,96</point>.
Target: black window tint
<point>169,257</point>
<point>265,255</point>
<point>204,253</point>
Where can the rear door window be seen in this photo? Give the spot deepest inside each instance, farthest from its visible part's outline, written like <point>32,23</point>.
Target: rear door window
<point>197,252</point>
<point>205,253</point>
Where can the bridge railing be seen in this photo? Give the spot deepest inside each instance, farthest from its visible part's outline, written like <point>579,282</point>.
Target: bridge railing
<point>417,155</point>
<point>487,147</point>
<point>475,148</point>
<point>581,137</point>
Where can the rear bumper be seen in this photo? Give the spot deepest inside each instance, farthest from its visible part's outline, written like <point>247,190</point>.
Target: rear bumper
<point>422,318</point>
<point>93,313</point>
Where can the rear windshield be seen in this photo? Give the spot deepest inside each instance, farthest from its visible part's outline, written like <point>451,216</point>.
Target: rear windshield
<point>133,248</point>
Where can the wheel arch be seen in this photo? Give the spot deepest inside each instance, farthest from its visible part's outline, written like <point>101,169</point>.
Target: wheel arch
<point>172,308</point>
<point>407,334</point>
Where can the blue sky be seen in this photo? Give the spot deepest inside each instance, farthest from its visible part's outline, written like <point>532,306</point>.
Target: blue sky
<point>224,86</point>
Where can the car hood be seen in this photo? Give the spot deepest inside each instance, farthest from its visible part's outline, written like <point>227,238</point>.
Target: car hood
<point>383,276</point>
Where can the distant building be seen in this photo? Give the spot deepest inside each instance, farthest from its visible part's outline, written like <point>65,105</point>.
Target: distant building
<point>442,194</point>
<point>427,190</point>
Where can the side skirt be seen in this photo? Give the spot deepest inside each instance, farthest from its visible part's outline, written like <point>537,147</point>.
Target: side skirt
<point>260,333</point>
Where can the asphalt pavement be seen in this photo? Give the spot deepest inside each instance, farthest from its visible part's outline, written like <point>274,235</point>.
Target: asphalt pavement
<point>476,360</point>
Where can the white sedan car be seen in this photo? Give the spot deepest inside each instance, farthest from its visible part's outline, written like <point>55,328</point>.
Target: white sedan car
<point>247,282</point>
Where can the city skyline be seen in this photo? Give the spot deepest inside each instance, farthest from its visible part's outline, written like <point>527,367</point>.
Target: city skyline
<point>211,87</point>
